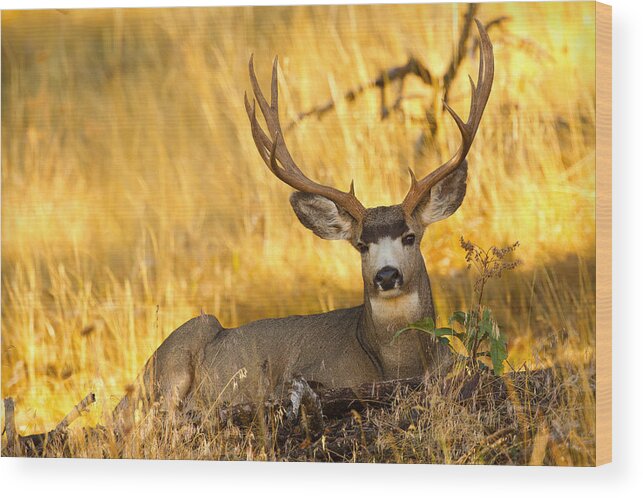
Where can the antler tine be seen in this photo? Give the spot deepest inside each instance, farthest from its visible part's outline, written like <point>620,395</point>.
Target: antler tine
<point>479,96</point>
<point>272,148</point>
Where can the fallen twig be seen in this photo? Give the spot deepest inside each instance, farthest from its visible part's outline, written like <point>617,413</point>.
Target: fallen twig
<point>77,411</point>
<point>35,444</point>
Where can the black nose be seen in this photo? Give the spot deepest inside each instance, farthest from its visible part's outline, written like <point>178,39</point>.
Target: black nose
<point>387,277</point>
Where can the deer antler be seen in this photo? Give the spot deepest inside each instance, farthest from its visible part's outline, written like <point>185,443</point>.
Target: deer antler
<point>479,97</point>
<point>274,152</point>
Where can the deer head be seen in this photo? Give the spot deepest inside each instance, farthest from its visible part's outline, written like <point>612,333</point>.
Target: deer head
<point>387,237</point>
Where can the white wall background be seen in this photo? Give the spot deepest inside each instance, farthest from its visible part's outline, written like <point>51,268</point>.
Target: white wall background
<point>624,477</point>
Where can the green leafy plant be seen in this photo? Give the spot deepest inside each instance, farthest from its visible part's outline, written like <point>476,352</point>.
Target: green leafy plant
<point>476,329</point>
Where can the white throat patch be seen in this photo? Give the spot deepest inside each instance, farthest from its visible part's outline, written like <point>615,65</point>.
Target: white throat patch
<point>396,312</point>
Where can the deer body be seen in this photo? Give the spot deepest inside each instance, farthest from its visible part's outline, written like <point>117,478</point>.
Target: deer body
<point>203,360</point>
<point>344,347</point>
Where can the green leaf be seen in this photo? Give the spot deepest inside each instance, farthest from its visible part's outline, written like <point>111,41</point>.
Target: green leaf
<point>444,340</point>
<point>459,317</point>
<point>498,352</point>
<point>486,325</point>
<point>425,325</point>
<point>446,331</point>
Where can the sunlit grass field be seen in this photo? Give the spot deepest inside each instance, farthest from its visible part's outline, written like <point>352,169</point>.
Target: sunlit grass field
<point>133,196</point>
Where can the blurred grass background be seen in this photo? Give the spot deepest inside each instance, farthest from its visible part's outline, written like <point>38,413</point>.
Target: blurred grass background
<point>133,196</point>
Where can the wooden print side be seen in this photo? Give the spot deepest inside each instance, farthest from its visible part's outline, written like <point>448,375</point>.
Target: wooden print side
<point>603,234</point>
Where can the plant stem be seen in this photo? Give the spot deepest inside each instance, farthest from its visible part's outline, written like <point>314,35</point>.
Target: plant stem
<point>474,349</point>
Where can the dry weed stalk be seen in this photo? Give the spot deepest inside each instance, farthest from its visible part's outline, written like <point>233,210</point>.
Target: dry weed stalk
<point>489,263</point>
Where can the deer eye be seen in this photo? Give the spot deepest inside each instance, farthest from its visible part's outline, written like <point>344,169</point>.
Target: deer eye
<point>408,240</point>
<point>361,247</point>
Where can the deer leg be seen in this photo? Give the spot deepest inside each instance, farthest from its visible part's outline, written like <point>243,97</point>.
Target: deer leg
<point>168,377</point>
<point>305,407</point>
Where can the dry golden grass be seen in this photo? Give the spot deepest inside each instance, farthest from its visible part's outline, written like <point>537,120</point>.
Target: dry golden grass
<point>525,418</point>
<point>133,196</point>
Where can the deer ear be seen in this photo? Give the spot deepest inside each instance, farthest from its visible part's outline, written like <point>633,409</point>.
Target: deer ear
<point>322,216</point>
<point>444,198</point>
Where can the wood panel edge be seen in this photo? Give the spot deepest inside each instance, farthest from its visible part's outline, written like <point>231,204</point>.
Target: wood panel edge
<point>603,233</point>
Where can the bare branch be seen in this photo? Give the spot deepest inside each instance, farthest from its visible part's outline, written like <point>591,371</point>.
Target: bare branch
<point>460,50</point>
<point>412,67</point>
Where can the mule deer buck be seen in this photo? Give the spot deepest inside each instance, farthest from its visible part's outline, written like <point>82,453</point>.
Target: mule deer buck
<point>345,347</point>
